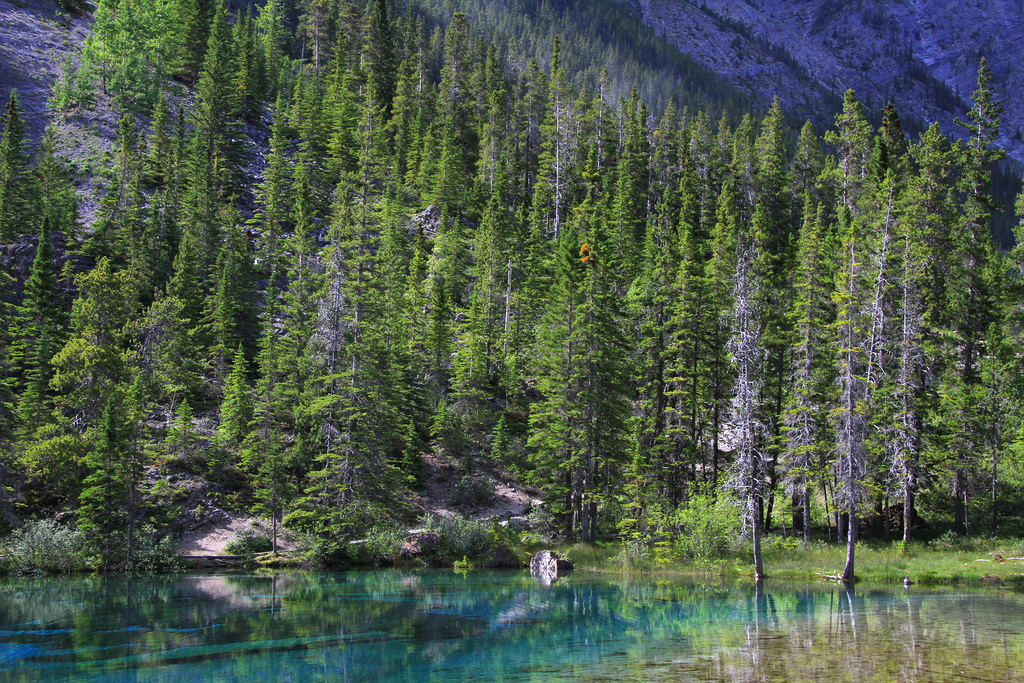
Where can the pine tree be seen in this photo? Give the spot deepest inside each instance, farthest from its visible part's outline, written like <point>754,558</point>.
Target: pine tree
<point>16,187</point>
<point>193,18</point>
<point>630,203</point>
<point>381,62</point>
<point>180,438</point>
<point>578,428</point>
<point>849,413</point>
<point>272,196</point>
<point>101,510</point>
<point>93,362</point>
<point>236,407</point>
<point>58,202</point>
<point>804,428</point>
<point>748,356</point>
<point>773,231</point>
<point>972,296</point>
<point>555,419</point>
<point>231,311</point>
<point>38,330</point>
<point>246,81</point>
<point>852,142</point>
<point>164,350</point>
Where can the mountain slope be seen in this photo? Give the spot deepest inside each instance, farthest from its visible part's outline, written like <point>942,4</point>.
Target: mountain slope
<point>921,54</point>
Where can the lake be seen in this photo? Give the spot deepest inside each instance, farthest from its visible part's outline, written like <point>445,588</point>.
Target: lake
<point>392,625</point>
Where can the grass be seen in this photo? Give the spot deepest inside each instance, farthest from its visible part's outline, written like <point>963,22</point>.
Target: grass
<point>942,562</point>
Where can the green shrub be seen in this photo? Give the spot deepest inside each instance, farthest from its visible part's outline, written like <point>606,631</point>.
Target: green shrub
<point>460,535</point>
<point>707,528</point>
<point>46,547</point>
<point>250,540</point>
<point>474,491</point>
<point>381,546</point>
<point>153,552</point>
<point>949,540</point>
<point>542,522</point>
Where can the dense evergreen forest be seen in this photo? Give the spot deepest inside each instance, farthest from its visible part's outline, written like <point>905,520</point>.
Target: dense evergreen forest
<point>336,238</point>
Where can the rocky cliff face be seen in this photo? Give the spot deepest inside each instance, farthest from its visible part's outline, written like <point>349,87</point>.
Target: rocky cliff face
<point>921,54</point>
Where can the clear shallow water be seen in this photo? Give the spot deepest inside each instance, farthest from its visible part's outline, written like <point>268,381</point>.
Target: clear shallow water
<point>497,626</point>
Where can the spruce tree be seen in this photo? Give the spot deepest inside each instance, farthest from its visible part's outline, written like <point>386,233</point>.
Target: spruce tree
<point>94,361</point>
<point>16,187</point>
<point>101,510</point>
<point>974,291</point>
<point>851,332</point>
<point>58,202</point>
<point>38,330</point>
<point>808,376</point>
<point>236,406</point>
<point>192,17</point>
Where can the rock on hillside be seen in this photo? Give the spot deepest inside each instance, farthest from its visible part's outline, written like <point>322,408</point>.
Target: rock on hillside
<point>921,54</point>
<point>35,38</point>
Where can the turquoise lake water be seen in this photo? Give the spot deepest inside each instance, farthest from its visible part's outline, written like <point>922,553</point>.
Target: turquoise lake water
<point>385,626</point>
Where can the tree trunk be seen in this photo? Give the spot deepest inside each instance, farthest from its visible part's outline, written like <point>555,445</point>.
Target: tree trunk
<point>798,512</point>
<point>959,501</point>
<point>756,537</point>
<point>908,509</point>
<point>851,544</point>
<point>807,514</point>
<point>995,483</point>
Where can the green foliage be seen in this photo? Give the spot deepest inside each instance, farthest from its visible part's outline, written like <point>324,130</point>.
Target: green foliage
<point>17,191</point>
<point>707,529</point>
<point>461,246</point>
<point>73,91</point>
<point>130,50</point>
<point>46,547</point>
<point>381,546</point>
<point>250,541</point>
<point>154,552</point>
<point>459,535</point>
<point>473,491</point>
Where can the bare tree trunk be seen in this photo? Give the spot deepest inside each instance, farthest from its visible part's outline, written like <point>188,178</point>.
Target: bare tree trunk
<point>908,508</point>
<point>960,501</point>
<point>851,544</point>
<point>807,513</point>
<point>995,482</point>
<point>758,559</point>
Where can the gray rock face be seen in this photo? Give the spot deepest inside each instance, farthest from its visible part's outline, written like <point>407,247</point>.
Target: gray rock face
<point>921,54</point>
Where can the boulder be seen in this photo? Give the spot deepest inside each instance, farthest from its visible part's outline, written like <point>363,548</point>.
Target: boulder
<point>548,563</point>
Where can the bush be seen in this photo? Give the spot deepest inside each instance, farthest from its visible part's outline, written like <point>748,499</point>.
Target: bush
<point>381,546</point>
<point>46,547</point>
<point>707,527</point>
<point>542,522</point>
<point>153,552</point>
<point>250,540</point>
<point>460,536</point>
<point>474,491</point>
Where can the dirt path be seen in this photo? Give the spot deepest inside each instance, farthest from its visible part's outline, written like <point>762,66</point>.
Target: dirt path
<point>213,537</point>
<point>447,492</point>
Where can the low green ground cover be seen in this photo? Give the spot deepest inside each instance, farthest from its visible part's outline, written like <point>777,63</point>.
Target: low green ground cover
<point>947,560</point>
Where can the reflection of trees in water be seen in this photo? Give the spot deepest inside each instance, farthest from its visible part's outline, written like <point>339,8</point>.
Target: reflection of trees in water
<point>844,634</point>
<point>420,625</point>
